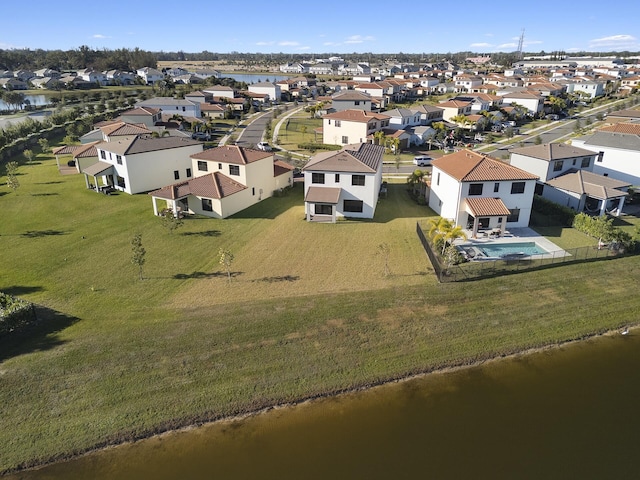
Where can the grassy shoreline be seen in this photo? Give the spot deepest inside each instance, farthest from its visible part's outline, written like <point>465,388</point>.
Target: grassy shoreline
<point>116,358</point>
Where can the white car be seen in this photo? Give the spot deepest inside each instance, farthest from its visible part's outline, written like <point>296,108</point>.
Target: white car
<point>422,160</point>
<point>264,146</point>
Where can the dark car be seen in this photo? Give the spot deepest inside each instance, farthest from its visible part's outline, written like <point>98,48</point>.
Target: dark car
<point>201,136</point>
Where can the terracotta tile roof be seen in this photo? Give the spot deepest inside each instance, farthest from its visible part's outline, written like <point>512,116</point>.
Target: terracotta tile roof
<point>78,151</point>
<point>123,128</point>
<point>233,154</point>
<point>468,166</point>
<point>487,207</point>
<point>281,168</point>
<point>623,127</point>
<point>353,115</point>
<point>453,104</point>
<point>214,185</point>
<point>143,111</point>
<point>553,151</point>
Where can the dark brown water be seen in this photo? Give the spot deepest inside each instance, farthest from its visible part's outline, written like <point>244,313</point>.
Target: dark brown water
<point>569,413</point>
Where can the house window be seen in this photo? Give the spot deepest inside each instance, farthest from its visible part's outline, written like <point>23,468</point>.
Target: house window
<point>317,178</point>
<point>188,172</point>
<point>234,170</point>
<point>557,165</point>
<point>496,187</point>
<point>438,179</point>
<point>219,166</point>
<point>337,180</point>
<point>475,188</point>
<point>176,175</point>
<point>323,209</point>
<point>600,155</point>
<point>119,159</point>
<point>357,180</point>
<point>202,166</point>
<point>574,161</point>
<point>337,123</point>
<point>103,155</point>
<point>121,182</point>
<point>207,205</point>
<point>354,206</point>
<point>586,162</point>
<point>345,139</point>
<point>517,187</point>
<point>253,191</point>
<point>514,215</point>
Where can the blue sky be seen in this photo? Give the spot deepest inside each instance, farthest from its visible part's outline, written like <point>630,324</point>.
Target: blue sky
<point>329,26</point>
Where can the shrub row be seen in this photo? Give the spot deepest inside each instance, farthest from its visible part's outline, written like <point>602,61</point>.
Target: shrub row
<point>318,146</point>
<point>546,213</point>
<point>15,314</point>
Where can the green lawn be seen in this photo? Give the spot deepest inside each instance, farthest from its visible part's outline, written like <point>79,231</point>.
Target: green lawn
<point>307,312</point>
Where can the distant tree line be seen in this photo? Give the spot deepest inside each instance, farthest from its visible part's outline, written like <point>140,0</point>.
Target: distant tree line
<point>82,57</point>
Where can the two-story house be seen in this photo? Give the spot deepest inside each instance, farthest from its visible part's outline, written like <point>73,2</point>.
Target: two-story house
<point>136,164</point>
<point>351,126</point>
<point>566,177</point>
<point>453,108</point>
<point>478,192</point>
<point>346,183</point>
<point>227,180</point>
<point>351,100</point>
<point>170,106</point>
<point>150,75</point>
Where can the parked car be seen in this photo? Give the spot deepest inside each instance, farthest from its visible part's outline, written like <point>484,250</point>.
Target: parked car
<point>264,146</point>
<point>201,136</point>
<point>422,160</point>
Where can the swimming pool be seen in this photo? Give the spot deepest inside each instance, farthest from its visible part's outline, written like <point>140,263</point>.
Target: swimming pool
<point>502,249</point>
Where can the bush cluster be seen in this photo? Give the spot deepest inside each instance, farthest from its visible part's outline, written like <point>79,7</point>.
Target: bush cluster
<point>15,314</point>
<point>546,213</point>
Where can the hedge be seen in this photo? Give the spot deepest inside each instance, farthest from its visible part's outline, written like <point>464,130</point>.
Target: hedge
<point>15,314</point>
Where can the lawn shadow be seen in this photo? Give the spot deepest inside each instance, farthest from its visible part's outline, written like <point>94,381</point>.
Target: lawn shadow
<point>42,233</point>
<point>284,278</point>
<point>2,194</point>
<point>185,276</point>
<point>48,183</point>
<point>44,194</point>
<point>206,233</point>
<point>19,290</point>
<point>41,336</point>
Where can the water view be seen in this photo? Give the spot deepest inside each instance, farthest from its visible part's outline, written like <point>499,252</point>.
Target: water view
<point>250,78</point>
<point>557,414</point>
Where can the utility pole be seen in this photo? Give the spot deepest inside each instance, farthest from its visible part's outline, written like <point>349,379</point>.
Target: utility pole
<point>520,42</point>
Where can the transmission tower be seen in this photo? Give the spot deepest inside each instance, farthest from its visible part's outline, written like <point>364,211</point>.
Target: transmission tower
<point>520,42</point>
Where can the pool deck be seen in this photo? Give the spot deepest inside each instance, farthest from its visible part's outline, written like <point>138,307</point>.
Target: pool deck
<point>514,235</point>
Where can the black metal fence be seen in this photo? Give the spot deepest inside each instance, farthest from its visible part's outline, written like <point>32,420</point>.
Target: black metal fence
<point>476,270</point>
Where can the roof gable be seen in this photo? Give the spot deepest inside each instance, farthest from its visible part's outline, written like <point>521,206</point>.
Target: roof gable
<point>233,154</point>
<point>468,166</point>
<point>357,158</point>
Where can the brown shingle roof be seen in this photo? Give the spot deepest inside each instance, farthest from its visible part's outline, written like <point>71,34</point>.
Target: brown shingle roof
<point>592,184</point>
<point>357,158</point>
<point>146,144</point>
<point>233,154</point>
<point>553,151</point>
<point>323,195</point>
<point>281,168</point>
<point>468,166</point>
<point>123,128</point>
<point>214,185</point>
<point>356,116</point>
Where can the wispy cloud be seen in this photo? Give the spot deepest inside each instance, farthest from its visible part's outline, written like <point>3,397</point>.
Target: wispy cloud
<point>288,44</point>
<point>100,36</point>
<point>481,45</point>
<point>507,45</point>
<point>615,42</point>
<point>359,39</point>
<point>263,44</point>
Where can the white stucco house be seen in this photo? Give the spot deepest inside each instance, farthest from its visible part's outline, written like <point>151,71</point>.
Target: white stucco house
<point>136,164</point>
<point>150,75</point>
<point>478,192</point>
<point>619,151</point>
<point>170,106</point>
<point>533,102</point>
<point>271,89</point>
<point>346,183</point>
<point>351,126</point>
<point>566,177</point>
<point>350,100</point>
<point>226,180</point>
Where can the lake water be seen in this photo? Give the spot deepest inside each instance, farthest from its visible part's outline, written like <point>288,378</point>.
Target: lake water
<point>563,413</point>
<point>36,100</point>
<point>250,78</point>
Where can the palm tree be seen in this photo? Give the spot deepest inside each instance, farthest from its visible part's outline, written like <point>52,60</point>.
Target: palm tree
<point>441,229</point>
<point>452,235</point>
